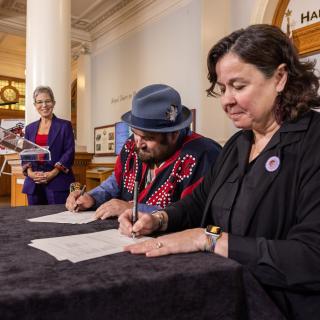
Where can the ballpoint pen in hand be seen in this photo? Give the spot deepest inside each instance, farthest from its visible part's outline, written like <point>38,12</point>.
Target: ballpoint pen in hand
<point>83,190</point>
<point>135,206</point>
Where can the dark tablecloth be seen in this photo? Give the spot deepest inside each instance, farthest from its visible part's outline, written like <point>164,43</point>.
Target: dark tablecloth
<point>34,285</point>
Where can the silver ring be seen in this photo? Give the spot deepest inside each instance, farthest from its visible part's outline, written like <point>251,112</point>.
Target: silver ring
<point>159,245</point>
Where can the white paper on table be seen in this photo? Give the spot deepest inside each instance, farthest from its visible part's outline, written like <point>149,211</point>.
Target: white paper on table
<point>50,249</point>
<point>85,246</point>
<point>67,217</point>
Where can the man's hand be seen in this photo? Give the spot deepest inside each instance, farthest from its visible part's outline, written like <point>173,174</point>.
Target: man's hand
<point>112,208</point>
<point>76,202</point>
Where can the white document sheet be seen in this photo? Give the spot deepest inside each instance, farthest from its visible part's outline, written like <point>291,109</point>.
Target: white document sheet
<point>85,246</point>
<point>67,217</point>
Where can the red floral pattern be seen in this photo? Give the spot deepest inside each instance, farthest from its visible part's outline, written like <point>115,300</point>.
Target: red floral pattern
<point>182,169</point>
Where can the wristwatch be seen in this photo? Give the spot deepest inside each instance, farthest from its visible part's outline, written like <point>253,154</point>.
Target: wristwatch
<point>213,233</point>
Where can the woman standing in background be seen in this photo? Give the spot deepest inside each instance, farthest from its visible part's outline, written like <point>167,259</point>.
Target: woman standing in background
<point>47,182</point>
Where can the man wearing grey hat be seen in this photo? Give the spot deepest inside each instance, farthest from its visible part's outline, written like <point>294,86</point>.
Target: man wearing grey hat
<point>163,154</point>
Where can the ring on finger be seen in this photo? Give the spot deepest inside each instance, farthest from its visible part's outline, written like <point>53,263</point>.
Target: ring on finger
<point>159,245</point>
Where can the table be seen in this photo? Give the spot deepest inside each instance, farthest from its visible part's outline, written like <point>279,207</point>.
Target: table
<point>34,285</point>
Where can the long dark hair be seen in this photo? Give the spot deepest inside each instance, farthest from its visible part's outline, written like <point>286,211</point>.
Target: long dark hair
<point>266,47</point>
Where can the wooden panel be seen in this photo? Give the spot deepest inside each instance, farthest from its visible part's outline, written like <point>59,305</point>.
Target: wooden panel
<point>82,160</point>
<point>279,13</point>
<point>95,176</point>
<point>101,165</point>
<point>307,39</point>
<point>11,114</point>
<point>5,180</point>
<point>17,197</point>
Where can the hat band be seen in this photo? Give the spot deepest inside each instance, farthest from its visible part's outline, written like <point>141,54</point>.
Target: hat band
<point>154,123</point>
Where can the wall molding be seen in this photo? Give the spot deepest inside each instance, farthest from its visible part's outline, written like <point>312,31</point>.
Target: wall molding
<point>134,22</point>
<point>307,39</point>
<point>263,11</point>
<point>279,13</point>
<point>15,26</point>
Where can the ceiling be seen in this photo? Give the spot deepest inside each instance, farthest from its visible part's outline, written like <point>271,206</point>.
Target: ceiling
<point>85,14</point>
<point>90,19</point>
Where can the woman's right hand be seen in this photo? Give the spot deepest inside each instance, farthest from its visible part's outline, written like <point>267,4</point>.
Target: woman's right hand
<point>146,224</point>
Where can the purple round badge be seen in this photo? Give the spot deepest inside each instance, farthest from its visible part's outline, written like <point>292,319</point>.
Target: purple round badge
<point>272,164</point>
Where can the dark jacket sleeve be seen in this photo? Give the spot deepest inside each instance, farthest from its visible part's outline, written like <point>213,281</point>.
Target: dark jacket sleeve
<point>188,212</point>
<point>66,158</point>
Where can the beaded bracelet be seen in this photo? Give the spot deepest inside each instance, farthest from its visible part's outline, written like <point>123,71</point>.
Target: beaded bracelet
<point>61,167</point>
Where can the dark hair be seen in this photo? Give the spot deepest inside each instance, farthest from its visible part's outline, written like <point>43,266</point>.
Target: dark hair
<point>266,47</point>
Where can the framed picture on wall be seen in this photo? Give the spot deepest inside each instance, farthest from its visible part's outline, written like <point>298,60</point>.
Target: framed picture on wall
<point>104,141</point>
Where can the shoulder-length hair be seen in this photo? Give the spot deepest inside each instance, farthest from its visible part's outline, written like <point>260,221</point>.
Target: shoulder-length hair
<point>266,47</point>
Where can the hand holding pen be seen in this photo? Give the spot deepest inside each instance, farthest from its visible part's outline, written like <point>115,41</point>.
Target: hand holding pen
<point>135,206</point>
<point>83,190</point>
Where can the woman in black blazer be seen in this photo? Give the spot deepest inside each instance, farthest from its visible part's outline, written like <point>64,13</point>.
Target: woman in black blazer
<point>263,194</point>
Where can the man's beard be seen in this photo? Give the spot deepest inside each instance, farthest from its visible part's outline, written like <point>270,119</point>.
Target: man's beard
<point>148,157</point>
<point>145,157</point>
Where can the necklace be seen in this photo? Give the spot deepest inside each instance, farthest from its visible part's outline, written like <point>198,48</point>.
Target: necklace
<point>255,152</point>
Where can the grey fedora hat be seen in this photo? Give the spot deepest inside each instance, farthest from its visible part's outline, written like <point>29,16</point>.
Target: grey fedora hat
<point>157,108</point>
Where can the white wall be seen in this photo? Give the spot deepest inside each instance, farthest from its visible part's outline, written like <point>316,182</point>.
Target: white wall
<point>219,18</point>
<point>171,49</point>
<point>166,51</point>
<point>241,12</point>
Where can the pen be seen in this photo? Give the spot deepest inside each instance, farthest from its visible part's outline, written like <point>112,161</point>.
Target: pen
<point>135,206</point>
<point>83,190</point>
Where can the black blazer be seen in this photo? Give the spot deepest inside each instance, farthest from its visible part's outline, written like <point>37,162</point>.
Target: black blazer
<point>278,234</point>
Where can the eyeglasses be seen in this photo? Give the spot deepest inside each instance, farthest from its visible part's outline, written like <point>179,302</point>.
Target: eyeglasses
<point>45,102</point>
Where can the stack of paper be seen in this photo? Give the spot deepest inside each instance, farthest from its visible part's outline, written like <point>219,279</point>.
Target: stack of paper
<point>67,217</point>
<point>85,246</point>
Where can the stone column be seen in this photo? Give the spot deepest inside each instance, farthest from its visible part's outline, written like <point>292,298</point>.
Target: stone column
<point>48,54</point>
<point>84,132</point>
